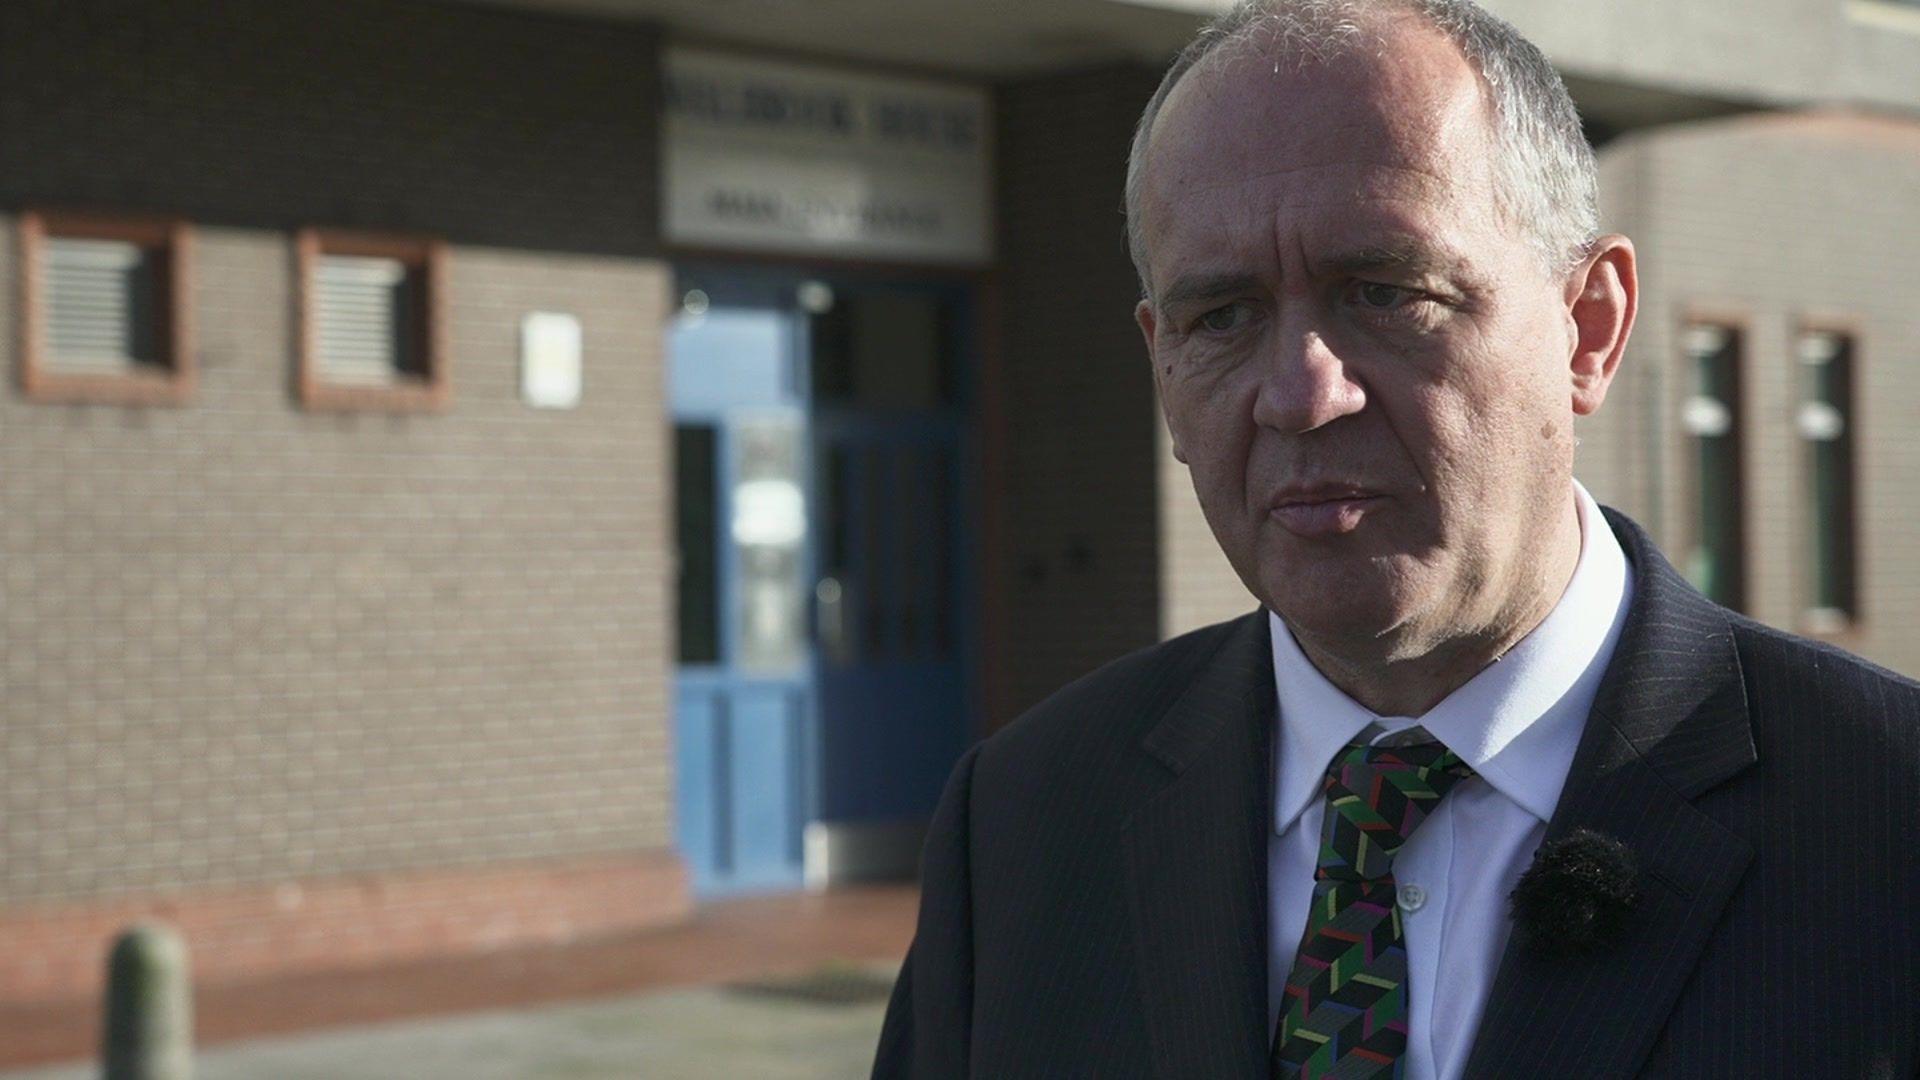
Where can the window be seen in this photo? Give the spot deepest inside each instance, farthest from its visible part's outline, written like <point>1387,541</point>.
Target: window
<point>1825,423</point>
<point>104,309</point>
<point>1715,561</point>
<point>696,462</point>
<point>882,350</point>
<point>766,527</point>
<point>372,332</point>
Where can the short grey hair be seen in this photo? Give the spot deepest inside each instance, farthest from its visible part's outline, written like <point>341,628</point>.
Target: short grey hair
<point>1543,166</point>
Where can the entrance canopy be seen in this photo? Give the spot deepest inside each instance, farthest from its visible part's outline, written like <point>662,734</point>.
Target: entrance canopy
<point>1630,63</point>
<point>995,39</point>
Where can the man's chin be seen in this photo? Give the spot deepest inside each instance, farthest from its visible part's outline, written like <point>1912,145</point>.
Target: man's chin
<point>1358,628</point>
<point>1331,607</point>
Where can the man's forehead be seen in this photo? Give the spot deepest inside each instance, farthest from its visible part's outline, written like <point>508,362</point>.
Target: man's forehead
<point>1403,104</point>
<point>1365,190</point>
<point>1365,143</point>
<point>1326,211</point>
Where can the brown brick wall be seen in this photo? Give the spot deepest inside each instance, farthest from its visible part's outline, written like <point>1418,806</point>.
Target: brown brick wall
<point>1197,585</point>
<point>1083,557</point>
<point>247,644</point>
<point>1613,445</point>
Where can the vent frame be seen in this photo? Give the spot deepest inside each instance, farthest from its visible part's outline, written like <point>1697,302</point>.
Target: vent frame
<point>169,379</point>
<point>419,385</point>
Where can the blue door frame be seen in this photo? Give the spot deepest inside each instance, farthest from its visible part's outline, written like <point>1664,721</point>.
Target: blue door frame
<point>858,719</point>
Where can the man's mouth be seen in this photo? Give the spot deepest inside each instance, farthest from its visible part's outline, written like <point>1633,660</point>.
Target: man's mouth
<point>1323,510</point>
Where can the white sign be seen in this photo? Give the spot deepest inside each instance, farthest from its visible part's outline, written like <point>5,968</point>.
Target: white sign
<point>550,360</point>
<point>775,156</point>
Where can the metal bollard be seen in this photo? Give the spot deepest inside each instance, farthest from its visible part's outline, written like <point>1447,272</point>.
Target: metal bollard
<point>149,1021</point>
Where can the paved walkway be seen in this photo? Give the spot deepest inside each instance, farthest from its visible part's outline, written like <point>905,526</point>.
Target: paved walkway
<point>786,988</point>
<point>696,1034</point>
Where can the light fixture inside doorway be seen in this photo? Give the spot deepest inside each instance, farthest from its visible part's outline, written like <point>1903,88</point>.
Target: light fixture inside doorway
<point>815,297</point>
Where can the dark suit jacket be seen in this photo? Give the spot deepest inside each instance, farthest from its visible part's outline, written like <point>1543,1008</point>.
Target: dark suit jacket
<point>1095,881</point>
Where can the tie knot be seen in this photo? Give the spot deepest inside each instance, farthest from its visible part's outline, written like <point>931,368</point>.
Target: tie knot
<point>1376,796</point>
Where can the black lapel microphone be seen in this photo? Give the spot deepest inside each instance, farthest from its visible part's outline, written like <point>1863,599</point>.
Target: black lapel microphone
<point>1578,897</point>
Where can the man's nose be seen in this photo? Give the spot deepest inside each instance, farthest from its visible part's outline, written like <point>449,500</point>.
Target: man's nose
<point>1305,385</point>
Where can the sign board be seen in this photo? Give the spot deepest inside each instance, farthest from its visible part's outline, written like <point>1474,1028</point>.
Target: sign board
<point>550,360</point>
<point>776,156</point>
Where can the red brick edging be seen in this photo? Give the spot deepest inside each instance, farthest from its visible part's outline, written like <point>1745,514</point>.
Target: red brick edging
<point>56,952</point>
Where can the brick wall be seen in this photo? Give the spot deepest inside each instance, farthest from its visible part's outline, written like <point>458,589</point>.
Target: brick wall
<point>487,126</point>
<point>1082,558</point>
<point>1198,587</point>
<point>1773,220</point>
<point>246,644</point>
<point>243,933</point>
<point>1614,444</point>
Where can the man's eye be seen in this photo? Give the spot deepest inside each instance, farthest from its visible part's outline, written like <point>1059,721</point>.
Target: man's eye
<point>1224,318</point>
<point>1381,297</point>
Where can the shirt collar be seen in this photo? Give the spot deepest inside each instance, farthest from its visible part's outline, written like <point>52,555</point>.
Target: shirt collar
<point>1517,722</point>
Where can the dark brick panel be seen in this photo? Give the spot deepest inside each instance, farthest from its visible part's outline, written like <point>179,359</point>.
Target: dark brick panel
<point>485,126</point>
<point>1083,558</point>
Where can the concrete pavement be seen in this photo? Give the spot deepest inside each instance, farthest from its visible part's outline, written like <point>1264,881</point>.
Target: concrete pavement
<point>785,987</point>
<point>700,1033</point>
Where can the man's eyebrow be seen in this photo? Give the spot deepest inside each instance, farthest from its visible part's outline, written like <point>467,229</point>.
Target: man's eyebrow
<point>1189,288</point>
<point>1405,259</point>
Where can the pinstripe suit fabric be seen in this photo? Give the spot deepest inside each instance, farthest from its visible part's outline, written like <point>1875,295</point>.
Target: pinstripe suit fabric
<point>1094,885</point>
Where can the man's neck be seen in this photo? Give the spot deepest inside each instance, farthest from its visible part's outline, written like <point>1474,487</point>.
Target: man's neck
<point>1407,681</point>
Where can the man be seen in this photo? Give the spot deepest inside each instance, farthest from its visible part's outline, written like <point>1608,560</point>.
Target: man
<point>1375,302</point>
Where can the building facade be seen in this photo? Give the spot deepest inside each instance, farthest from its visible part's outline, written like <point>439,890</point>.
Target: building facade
<point>478,474</point>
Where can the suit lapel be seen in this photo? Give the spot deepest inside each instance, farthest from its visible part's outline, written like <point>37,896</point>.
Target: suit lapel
<point>1197,867</point>
<point>1669,722</point>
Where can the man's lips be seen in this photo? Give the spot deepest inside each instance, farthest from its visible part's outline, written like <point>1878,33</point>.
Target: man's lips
<point>1319,512</point>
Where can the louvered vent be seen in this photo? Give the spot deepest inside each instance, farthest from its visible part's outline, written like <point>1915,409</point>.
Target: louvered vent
<point>101,314</point>
<point>366,333</point>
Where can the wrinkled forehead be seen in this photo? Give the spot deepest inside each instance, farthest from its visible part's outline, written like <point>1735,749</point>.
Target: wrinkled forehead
<point>1401,113</point>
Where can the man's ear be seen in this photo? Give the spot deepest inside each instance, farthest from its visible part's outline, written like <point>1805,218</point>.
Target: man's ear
<point>1603,295</point>
<point>1143,314</point>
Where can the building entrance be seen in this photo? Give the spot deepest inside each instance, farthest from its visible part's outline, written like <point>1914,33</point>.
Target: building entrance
<point>823,680</point>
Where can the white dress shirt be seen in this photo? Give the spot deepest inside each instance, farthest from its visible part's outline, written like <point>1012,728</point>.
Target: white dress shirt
<point>1517,723</point>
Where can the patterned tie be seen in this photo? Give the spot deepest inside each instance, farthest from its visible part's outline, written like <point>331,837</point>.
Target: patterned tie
<point>1345,1012</point>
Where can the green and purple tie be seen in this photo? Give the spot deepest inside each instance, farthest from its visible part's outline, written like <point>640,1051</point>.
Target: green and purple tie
<point>1344,1014</point>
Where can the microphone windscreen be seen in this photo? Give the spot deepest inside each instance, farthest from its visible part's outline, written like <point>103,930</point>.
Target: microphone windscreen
<point>1578,896</point>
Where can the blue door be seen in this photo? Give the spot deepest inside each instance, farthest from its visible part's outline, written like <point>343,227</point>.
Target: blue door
<point>823,690</point>
<point>887,406</point>
<point>743,696</point>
